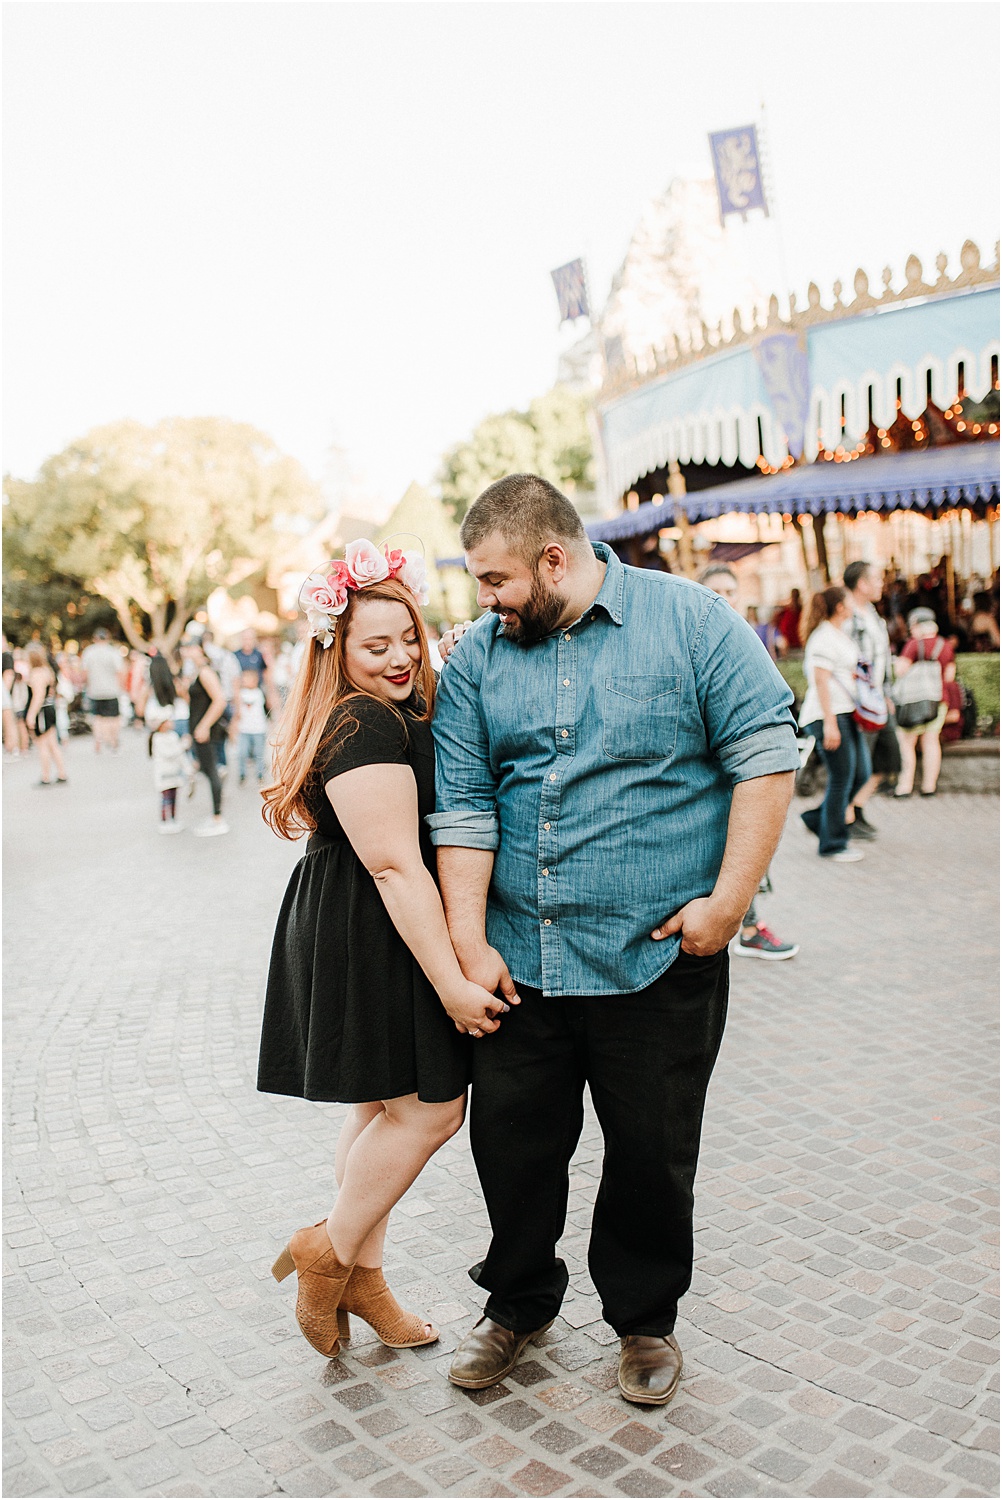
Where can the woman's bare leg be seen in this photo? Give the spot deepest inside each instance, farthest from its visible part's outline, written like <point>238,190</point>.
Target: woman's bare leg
<point>381,1163</point>
<point>371,1253</point>
<point>932,759</point>
<point>51,756</point>
<point>906,777</point>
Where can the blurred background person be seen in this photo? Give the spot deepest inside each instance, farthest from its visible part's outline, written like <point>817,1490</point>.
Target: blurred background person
<point>206,707</point>
<point>755,940</point>
<point>984,630</point>
<point>768,633</point>
<point>828,715</point>
<point>171,766</point>
<point>10,741</point>
<point>867,629</point>
<point>250,724</point>
<point>161,699</point>
<point>928,659</point>
<point>227,669</point>
<point>787,621</point>
<point>19,701</point>
<point>41,716</point>
<point>137,683</point>
<point>102,662</point>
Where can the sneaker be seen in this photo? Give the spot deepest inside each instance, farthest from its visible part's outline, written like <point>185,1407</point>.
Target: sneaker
<point>861,830</point>
<point>764,944</point>
<point>211,830</point>
<point>845,856</point>
<point>862,821</point>
<point>169,828</point>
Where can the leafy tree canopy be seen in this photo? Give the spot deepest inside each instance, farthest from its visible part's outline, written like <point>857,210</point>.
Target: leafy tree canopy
<point>550,439</point>
<point>421,514</point>
<point>152,519</point>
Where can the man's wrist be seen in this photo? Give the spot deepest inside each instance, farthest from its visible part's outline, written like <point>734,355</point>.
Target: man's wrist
<point>469,946</point>
<point>728,906</point>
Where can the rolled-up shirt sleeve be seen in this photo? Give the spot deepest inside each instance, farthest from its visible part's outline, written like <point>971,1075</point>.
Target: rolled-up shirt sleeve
<point>465,785</point>
<point>744,702</point>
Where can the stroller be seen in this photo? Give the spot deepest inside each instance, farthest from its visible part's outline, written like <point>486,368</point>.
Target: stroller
<point>77,711</point>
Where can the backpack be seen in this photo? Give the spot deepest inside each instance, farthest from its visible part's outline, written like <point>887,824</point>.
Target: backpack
<point>870,712</point>
<point>918,695</point>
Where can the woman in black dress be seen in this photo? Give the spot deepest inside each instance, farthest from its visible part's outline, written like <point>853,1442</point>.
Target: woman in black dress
<point>366,1002</point>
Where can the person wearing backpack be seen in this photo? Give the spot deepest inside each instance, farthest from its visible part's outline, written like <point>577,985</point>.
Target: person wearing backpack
<point>925,665</point>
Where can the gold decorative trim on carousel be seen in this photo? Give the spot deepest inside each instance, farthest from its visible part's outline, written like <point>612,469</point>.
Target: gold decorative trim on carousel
<point>701,340</point>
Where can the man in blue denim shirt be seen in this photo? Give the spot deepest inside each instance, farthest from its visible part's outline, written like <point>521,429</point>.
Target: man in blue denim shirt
<point>615,757</point>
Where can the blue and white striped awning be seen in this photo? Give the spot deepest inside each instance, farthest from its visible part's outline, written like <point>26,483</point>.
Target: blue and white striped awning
<point>961,474</point>
<point>717,409</point>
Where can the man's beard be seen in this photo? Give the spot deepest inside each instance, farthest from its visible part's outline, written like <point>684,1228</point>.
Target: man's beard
<point>538,616</point>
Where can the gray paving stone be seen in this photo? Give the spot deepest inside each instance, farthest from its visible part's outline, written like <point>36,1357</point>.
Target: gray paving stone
<point>840,1312</point>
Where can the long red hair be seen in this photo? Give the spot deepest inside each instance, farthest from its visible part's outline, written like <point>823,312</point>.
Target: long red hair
<point>310,722</point>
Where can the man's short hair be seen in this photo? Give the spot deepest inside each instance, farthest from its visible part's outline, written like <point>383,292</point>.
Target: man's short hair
<point>528,512</point>
<point>854,573</point>
<point>101,634</point>
<point>714,570</point>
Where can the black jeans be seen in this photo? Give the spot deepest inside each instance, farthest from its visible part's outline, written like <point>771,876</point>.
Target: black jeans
<point>647,1059</point>
<point>206,757</point>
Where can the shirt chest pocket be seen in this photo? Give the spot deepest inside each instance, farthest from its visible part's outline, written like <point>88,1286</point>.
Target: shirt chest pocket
<point>640,718</point>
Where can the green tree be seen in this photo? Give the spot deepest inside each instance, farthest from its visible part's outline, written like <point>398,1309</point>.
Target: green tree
<point>152,519</point>
<point>421,514</point>
<point>550,439</point>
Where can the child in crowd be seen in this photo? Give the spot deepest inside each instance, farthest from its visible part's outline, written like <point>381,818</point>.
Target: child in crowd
<point>170,766</point>
<point>252,724</point>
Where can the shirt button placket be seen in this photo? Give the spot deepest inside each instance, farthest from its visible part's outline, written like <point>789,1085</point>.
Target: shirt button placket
<point>549,810</point>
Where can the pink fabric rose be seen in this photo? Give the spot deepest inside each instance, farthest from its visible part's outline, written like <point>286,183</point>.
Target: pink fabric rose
<point>395,560</point>
<point>340,576</point>
<point>328,600</point>
<point>366,563</point>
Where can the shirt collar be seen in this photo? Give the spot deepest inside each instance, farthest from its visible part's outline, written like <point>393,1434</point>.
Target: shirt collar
<point>610,595</point>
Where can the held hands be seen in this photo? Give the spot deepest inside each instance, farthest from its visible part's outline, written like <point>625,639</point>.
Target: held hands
<point>486,972</point>
<point>474,1009</point>
<point>704,927</point>
<point>451,639</point>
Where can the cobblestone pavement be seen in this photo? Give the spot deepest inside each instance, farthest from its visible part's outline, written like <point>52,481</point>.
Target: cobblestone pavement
<point>840,1338</point>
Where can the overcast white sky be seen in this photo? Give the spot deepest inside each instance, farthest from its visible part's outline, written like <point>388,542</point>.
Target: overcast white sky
<point>336,221</point>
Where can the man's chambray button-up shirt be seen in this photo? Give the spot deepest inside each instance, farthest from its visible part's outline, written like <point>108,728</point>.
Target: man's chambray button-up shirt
<point>598,765</point>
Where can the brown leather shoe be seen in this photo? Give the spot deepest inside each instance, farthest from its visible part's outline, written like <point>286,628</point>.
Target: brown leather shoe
<point>649,1369</point>
<point>488,1353</point>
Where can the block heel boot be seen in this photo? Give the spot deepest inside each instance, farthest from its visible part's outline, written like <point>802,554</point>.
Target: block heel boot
<point>369,1298</point>
<point>322,1280</point>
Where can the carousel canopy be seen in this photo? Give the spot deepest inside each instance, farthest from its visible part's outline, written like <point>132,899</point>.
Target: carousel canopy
<point>932,480</point>
<point>822,374</point>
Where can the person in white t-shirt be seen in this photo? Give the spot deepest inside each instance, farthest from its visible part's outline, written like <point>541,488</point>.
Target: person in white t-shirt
<point>830,659</point>
<point>105,669</point>
<point>252,724</point>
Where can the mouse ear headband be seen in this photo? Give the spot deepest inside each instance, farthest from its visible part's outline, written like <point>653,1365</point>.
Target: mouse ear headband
<point>324,595</point>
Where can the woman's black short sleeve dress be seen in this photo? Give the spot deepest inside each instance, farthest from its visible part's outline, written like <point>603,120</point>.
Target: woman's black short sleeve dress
<point>349,1015</point>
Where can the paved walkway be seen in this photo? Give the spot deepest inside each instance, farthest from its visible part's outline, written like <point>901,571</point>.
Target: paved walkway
<point>840,1338</point>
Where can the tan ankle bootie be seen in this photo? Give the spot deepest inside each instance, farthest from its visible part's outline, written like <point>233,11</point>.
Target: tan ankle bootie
<point>369,1298</point>
<point>322,1280</point>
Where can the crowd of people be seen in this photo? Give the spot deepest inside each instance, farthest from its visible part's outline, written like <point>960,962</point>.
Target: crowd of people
<point>201,708</point>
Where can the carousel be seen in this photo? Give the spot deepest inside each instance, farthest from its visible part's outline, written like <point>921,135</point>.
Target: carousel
<point>864,428</point>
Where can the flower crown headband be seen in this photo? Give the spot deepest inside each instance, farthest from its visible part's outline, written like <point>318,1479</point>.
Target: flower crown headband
<point>324,595</point>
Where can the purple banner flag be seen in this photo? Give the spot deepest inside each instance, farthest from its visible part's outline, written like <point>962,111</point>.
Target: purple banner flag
<point>737,167</point>
<point>572,291</point>
<point>782,360</point>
